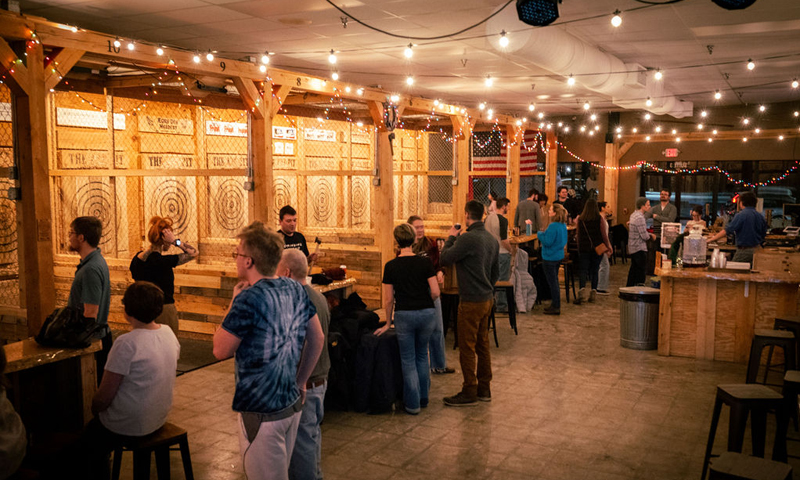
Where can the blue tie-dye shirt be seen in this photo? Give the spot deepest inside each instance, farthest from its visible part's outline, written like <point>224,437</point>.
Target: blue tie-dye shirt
<point>270,318</point>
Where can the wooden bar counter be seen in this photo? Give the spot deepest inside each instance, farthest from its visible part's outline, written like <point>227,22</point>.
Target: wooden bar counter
<point>712,314</point>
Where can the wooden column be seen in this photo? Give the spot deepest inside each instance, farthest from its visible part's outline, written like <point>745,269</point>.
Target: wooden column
<point>383,193</point>
<point>36,240</point>
<point>551,165</point>
<point>513,151</point>
<point>611,177</point>
<point>260,108</point>
<point>462,133</point>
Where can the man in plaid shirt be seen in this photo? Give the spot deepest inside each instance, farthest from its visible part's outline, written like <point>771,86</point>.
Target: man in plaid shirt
<point>637,242</point>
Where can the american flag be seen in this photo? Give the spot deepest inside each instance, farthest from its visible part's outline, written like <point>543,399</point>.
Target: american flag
<point>489,151</point>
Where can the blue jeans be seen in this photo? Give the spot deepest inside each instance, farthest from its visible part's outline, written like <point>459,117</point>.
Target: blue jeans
<point>306,462</point>
<point>602,274</point>
<point>414,328</point>
<point>551,274</point>
<point>500,301</point>
<point>589,266</point>
<point>436,344</point>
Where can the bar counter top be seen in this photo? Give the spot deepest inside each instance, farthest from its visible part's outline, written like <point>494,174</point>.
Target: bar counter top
<point>729,274</point>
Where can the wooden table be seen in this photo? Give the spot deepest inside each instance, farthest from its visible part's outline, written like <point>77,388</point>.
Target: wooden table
<point>340,288</point>
<point>712,315</point>
<point>52,388</point>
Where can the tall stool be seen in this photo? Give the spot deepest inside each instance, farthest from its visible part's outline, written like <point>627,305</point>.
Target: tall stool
<point>790,390</point>
<point>569,277</point>
<point>792,324</point>
<point>159,442</point>
<point>756,400</point>
<point>736,466</point>
<point>770,338</point>
<point>511,299</point>
<point>493,325</point>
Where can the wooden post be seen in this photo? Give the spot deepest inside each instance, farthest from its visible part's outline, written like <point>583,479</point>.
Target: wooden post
<point>383,204</point>
<point>37,229</point>
<point>551,165</point>
<point>611,177</point>
<point>462,129</point>
<point>260,109</point>
<point>513,151</point>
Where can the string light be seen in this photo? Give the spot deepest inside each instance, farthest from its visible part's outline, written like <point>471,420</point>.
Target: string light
<point>746,121</point>
<point>795,83</point>
<point>658,75</point>
<point>674,131</point>
<point>593,117</point>
<point>616,20</point>
<point>196,58</point>
<point>408,52</point>
<point>750,64</point>
<point>262,68</point>
<point>700,126</point>
<point>334,75</point>
<point>586,106</point>
<point>159,51</point>
<point>482,106</point>
<point>332,58</point>
<point>541,115</point>
<point>717,95</point>
<point>410,80</point>
<point>131,46</point>
<point>647,116</point>
<point>571,80</point>
<point>704,114</point>
<point>503,39</point>
<point>395,98</point>
<point>658,129</point>
<point>488,82</point>
<point>210,56</point>
<point>531,107</point>
<point>265,58</point>
<point>648,102</point>
<point>762,108</point>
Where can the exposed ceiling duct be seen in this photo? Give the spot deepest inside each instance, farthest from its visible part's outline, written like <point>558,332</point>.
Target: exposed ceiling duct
<point>628,85</point>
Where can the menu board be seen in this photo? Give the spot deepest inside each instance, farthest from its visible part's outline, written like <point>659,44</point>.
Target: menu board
<point>669,233</point>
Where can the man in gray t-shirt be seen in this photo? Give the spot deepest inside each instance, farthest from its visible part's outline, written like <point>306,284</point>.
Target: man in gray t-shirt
<point>528,210</point>
<point>91,289</point>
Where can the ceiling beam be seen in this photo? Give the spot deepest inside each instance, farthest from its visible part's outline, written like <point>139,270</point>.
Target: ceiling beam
<point>130,81</point>
<point>17,71</point>
<point>703,136</point>
<point>251,96</point>
<point>60,65</point>
<point>280,93</point>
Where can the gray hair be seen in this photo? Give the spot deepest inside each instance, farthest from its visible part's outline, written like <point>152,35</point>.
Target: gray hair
<point>296,262</point>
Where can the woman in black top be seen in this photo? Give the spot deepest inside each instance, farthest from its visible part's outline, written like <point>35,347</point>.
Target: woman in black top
<point>409,289</point>
<point>151,266</point>
<point>589,231</point>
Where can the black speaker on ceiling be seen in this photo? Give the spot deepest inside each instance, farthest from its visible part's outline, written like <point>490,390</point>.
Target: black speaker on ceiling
<point>734,4</point>
<point>538,13</point>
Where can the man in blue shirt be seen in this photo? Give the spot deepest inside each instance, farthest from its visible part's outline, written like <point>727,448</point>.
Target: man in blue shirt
<point>91,289</point>
<point>273,329</point>
<point>748,225</point>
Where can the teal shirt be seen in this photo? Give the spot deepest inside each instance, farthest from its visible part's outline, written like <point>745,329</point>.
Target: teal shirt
<point>553,241</point>
<point>92,285</point>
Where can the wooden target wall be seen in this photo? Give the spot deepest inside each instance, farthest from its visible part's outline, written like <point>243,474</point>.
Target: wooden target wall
<point>9,260</point>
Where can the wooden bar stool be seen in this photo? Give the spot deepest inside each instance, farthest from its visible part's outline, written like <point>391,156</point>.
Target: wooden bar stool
<point>791,388</point>
<point>511,299</point>
<point>756,400</point>
<point>792,324</point>
<point>736,466</point>
<point>493,326</point>
<point>158,442</point>
<point>770,338</point>
<point>569,277</point>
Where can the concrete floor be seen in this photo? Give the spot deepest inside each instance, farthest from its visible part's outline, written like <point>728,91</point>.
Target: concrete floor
<point>568,403</point>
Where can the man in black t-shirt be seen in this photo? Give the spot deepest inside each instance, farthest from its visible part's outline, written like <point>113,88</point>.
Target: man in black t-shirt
<point>291,237</point>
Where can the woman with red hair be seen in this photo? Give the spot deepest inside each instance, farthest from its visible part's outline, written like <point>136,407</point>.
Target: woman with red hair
<point>152,265</point>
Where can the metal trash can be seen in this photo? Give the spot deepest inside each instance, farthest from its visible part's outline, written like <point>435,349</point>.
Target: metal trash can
<point>638,317</point>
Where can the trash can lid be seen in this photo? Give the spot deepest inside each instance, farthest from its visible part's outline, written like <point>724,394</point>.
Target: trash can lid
<point>640,294</point>
<point>640,290</point>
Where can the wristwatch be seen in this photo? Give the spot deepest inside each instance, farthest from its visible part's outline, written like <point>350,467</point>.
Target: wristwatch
<point>177,242</point>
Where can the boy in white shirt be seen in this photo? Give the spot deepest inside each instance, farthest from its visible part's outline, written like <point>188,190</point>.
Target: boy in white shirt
<point>135,395</point>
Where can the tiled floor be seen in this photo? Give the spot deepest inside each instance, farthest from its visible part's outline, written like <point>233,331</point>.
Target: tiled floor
<point>568,403</point>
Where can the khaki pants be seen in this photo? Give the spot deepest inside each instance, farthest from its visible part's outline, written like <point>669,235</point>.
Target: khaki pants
<point>473,340</point>
<point>169,317</point>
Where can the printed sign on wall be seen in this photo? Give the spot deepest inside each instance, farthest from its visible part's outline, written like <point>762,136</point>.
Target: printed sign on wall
<point>178,126</point>
<point>284,133</point>
<point>73,117</point>
<point>320,135</point>
<point>223,160</point>
<point>77,159</point>
<point>167,161</point>
<point>227,129</point>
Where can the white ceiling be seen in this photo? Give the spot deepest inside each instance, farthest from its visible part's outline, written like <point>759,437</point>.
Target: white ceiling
<point>301,32</point>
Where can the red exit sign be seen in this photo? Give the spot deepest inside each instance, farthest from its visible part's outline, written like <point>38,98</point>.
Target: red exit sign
<point>671,152</point>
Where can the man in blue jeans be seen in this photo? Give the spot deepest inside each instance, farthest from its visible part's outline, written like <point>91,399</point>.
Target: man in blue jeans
<point>306,462</point>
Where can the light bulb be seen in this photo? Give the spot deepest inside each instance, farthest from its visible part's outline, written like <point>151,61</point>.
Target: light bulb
<point>320,120</point>
<point>481,106</point>
<point>541,115</point>
<point>436,103</point>
<point>674,131</point>
<point>410,80</point>
<point>635,129</point>
<point>490,112</point>
<point>395,98</point>
<point>519,123</point>
<point>196,58</point>
<point>750,64</point>
<point>560,124</point>
<point>704,114</point>
<point>647,116</point>
<point>700,126</point>
<point>408,52</point>
<point>619,129</point>
<point>335,75</point>
<point>503,39</point>
<point>159,51</point>
<point>489,82</point>
<point>531,107</point>
<point>758,130</point>
<point>566,128</point>
<point>360,91</point>
<point>591,133</point>
<point>743,139</point>
<point>332,58</point>
<point>593,117</point>
<point>648,102</point>
<point>117,43</point>
<point>616,20</point>
<point>265,58</point>
<point>647,138</point>
<point>717,95</point>
<point>658,75</point>
<point>797,114</point>
<point>762,108</point>
<point>210,57</point>
<point>131,46</point>
<point>658,129</point>
<point>746,121</point>
<point>359,124</point>
<point>263,68</point>
<point>714,132</point>
<point>795,83</point>
<point>597,127</point>
<point>347,89</point>
<point>571,80</point>
<point>619,135</point>
<point>586,106</point>
<point>583,128</point>
<point>711,140</point>
<point>780,137</point>
<point>74,29</point>
<point>678,140</point>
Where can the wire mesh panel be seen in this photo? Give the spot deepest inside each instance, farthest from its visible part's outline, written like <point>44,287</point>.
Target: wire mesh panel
<point>9,262</point>
<point>439,187</point>
<point>527,183</point>
<point>480,187</point>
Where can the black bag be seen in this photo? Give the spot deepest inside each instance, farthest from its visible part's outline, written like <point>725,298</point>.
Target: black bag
<point>66,327</point>
<point>379,374</point>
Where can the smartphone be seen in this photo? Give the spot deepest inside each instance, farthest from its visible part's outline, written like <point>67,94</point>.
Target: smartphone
<point>457,226</point>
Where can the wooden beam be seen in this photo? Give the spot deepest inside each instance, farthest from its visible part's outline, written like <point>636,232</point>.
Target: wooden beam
<point>130,81</point>
<point>611,177</point>
<point>462,126</point>
<point>377,111</point>
<point>251,97</point>
<point>623,149</point>
<point>279,95</point>
<point>17,71</point>
<point>513,152</point>
<point>383,204</point>
<point>704,135</point>
<point>37,229</point>
<point>461,188</point>
<point>262,195</point>
<point>551,164</point>
<point>60,65</point>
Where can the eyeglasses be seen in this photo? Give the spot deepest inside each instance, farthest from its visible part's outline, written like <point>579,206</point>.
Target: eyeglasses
<point>235,254</point>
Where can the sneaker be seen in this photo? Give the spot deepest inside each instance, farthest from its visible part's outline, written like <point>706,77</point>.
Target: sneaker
<point>485,396</point>
<point>441,371</point>
<point>603,292</point>
<point>423,403</point>
<point>592,296</point>
<point>551,311</point>
<point>412,411</point>
<point>460,399</point>
<point>577,301</point>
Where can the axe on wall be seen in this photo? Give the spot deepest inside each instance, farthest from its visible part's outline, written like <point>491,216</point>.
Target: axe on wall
<point>316,252</point>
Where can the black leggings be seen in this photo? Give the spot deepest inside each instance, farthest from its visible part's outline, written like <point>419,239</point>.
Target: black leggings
<point>636,274</point>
